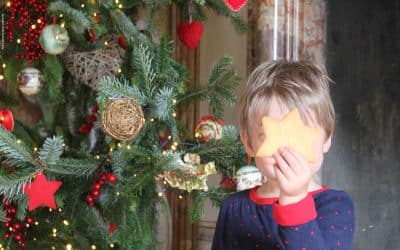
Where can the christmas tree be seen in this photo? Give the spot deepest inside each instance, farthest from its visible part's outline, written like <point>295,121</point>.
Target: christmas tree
<point>88,174</point>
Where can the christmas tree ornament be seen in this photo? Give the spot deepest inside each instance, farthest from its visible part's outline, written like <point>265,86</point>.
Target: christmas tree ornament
<point>190,33</point>
<point>122,119</point>
<point>90,67</point>
<point>7,119</point>
<point>29,81</point>
<point>235,5</point>
<point>97,185</point>
<point>208,128</point>
<point>248,177</point>
<point>90,35</point>
<point>41,191</point>
<point>194,175</point>
<point>288,131</point>
<point>228,184</point>
<point>122,42</point>
<point>54,39</point>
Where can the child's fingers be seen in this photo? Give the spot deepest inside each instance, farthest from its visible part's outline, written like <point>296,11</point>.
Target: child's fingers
<point>283,166</point>
<point>301,161</point>
<point>288,155</point>
<point>282,180</point>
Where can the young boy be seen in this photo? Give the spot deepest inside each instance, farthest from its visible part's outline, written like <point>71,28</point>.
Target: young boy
<point>290,211</point>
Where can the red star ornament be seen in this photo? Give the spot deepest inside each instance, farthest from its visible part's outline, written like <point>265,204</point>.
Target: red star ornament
<point>41,192</point>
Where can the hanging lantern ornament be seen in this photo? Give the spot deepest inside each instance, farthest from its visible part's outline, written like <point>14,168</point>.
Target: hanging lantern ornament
<point>29,81</point>
<point>235,5</point>
<point>54,39</point>
<point>123,118</point>
<point>7,119</point>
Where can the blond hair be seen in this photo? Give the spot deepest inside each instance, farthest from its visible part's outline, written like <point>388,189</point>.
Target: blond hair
<point>302,85</point>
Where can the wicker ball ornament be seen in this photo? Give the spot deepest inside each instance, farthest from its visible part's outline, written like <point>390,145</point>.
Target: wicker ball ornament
<point>123,119</point>
<point>90,66</point>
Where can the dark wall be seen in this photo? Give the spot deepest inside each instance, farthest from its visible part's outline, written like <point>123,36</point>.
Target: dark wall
<point>363,58</point>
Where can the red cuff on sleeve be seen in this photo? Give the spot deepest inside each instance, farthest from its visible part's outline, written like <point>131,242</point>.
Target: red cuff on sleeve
<point>296,213</point>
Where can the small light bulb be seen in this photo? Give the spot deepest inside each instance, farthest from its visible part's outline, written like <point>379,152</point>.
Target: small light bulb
<point>112,245</point>
<point>53,248</point>
<point>68,247</point>
<point>119,70</point>
<point>63,25</point>
<point>180,197</point>
<point>116,1</point>
<point>61,15</point>
<point>33,26</point>
<point>82,5</point>
<point>152,119</point>
<point>174,101</point>
<point>36,223</point>
<point>19,141</point>
<point>8,4</point>
<point>54,230</point>
<point>174,114</point>
<point>93,247</point>
<point>54,235</point>
<point>128,147</point>
<point>97,157</point>
<point>60,209</point>
<point>169,137</point>
<point>40,21</point>
<point>160,194</point>
<point>50,210</point>
<point>1,77</point>
<point>173,147</point>
<point>35,149</point>
<point>120,6</point>
<point>118,193</point>
<point>66,223</point>
<point>4,65</point>
<point>18,40</point>
<point>105,43</point>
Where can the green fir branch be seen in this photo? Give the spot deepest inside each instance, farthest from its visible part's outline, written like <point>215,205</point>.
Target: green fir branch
<point>196,209</point>
<point>51,150</point>
<point>76,167</point>
<point>2,214</point>
<point>13,184</point>
<point>142,63</point>
<point>75,15</point>
<point>112,87</point>
<point>219,90</point>
<point>16,152</point>
<point>164,103</point>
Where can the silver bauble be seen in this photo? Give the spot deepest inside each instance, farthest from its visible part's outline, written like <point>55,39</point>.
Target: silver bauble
<point>30,81</point>
<point>54,39</point>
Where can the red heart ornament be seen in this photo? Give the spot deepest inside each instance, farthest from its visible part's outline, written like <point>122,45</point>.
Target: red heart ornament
<point>235,5</point>
<point>190,33</point>
<point>7,119</point>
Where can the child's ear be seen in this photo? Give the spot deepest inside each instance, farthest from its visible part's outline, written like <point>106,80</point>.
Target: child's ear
<point>327,144</point>
<point>246,143</point>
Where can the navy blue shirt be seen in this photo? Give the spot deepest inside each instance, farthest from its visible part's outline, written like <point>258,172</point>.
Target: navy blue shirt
<point>324,220</point>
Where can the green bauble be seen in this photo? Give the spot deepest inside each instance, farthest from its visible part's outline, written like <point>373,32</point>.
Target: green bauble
<point>54,39</point>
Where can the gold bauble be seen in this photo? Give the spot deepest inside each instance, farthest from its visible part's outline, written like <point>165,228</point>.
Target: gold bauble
<point>122,118</point>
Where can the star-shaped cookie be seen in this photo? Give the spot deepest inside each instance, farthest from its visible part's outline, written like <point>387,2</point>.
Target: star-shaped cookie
<point>290,131</point>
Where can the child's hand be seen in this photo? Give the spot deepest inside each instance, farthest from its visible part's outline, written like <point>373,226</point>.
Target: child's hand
<point>293,175</point>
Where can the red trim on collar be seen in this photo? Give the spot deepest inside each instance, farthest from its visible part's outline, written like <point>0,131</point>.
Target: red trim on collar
<point>260,200</point>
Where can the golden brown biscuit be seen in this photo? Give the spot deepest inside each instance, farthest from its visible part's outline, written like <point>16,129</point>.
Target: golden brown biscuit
<point>290,131</point>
